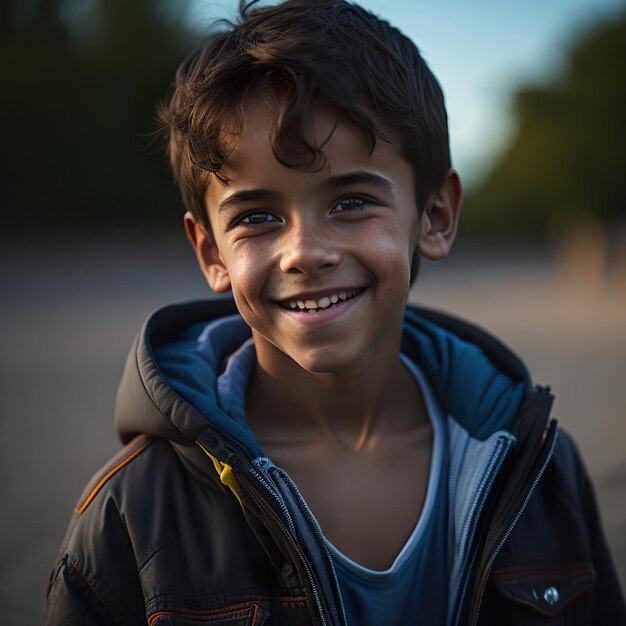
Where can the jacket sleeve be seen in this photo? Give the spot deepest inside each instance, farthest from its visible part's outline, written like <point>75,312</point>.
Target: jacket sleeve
<point>96,577</point>
<point>96,580</point>
<point>608,599</point>
<point>72,602</point>
<point>609,606</point>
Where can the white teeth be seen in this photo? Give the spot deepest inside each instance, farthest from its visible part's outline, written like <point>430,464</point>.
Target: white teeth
<point>310,306</point>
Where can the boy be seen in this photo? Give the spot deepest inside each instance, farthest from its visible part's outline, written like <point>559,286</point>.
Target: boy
<point>311,451</point>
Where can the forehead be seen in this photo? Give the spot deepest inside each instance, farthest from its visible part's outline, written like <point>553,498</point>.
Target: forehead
<point>345,145</point>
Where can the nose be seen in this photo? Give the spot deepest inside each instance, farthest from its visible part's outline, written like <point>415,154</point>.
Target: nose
<point>308,248</point>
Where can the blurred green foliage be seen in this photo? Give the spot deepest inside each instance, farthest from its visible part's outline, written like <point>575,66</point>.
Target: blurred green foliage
<point>80,82</point>
<point>566,160</point>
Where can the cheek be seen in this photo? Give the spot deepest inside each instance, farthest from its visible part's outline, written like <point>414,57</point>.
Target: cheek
<point>247,268</point>
<point>393,251</point>
<point>243,264</point>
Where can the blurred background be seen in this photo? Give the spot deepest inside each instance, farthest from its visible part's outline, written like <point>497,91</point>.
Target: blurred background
<point>91,238</point>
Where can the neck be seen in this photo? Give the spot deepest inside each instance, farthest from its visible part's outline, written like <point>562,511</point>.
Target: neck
<point>351,408</point>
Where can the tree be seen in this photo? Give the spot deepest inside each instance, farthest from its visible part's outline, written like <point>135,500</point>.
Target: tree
<point>566,158</point>
<point>79,93</point>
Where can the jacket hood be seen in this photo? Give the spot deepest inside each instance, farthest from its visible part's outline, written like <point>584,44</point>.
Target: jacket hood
<point>170,386</point>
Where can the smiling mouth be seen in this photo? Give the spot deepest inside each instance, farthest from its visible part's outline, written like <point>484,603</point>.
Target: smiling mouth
<point>326,302</point>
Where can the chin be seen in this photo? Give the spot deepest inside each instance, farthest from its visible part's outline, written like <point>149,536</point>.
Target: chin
<point>324,363</point>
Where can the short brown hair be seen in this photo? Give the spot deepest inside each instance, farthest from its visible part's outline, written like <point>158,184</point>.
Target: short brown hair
<point>295,53</point>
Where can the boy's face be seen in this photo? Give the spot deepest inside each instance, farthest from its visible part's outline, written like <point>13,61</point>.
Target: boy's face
<point>318,262</point>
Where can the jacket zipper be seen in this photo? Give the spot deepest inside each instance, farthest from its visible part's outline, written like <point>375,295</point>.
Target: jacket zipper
<point>312,523</point>
<point>511,526</point>
<point>235,456</point>
<point>503,445</point>
<point>262,477</point>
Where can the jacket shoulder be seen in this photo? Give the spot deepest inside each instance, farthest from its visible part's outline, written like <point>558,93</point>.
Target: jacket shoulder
<point>96,571</point>
<point>567,452</point>
<point>110,469</point>
<point>122,491</point>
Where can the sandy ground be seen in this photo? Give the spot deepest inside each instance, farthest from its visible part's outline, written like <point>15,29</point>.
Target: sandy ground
<point>69,312</point>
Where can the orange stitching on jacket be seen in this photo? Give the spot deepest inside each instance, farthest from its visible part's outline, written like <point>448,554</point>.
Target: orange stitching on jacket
<point>292,599</point>
<point>229,612</point>
<point>230,608</point>
<point>111,473</point>
<point>532,571</point>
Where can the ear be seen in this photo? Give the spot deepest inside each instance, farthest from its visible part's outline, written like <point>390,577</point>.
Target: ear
<point>208,255</point>
<point>440,219</point>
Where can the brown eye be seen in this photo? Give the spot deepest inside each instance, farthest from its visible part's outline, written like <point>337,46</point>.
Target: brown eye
<point>258,218</point>
<point>349,205</point>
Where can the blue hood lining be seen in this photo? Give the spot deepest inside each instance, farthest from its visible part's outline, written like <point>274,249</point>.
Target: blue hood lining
<point>194,365</point>
<point>479,396</point>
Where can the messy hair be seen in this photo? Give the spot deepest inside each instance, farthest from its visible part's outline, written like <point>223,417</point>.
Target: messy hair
<point>294,54</point>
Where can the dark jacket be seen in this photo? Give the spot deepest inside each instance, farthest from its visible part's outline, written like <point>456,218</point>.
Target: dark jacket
<point>190,524</point>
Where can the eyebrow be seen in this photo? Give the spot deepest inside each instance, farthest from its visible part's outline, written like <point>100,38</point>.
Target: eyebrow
<point>359,177</point>
<point>249,195</point>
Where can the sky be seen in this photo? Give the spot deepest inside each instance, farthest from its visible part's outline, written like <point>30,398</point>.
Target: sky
<point>480,50</point>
